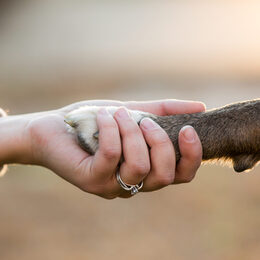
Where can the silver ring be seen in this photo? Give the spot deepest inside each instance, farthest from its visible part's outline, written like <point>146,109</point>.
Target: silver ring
<point>128,187</point>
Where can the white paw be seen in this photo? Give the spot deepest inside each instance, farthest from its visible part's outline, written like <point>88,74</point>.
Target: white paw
<point>82,122</point>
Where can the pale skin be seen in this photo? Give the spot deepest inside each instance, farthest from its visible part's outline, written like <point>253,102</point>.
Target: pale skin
<point>42,139</point>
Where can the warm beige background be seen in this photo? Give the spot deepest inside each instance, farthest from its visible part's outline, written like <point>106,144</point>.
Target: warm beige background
<point>56,52</point>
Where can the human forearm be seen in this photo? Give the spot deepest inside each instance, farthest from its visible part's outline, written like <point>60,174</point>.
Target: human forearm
<point>14,141</point>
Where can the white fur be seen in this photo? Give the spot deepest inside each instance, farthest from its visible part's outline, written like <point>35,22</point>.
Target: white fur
<point>84,121</point>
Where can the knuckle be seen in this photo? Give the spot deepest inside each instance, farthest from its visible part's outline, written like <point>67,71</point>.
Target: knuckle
<point>160,138</point>
<point>163,141</point>
<point>140,168</point>
<point>191,156</point>
<point>109,124</point>
<point>111,152</point>
<point>166,179</point>
<point>131,128</point>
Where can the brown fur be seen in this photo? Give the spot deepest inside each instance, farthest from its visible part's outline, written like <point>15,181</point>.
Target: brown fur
<point>231,132</point>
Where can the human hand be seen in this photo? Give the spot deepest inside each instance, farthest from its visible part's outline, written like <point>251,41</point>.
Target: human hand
<point>53,147</point>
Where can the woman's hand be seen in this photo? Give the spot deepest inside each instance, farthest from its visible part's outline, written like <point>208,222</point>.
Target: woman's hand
<point>53,147</point>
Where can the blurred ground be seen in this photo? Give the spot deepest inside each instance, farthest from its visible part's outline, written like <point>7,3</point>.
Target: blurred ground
<point>43,217</point>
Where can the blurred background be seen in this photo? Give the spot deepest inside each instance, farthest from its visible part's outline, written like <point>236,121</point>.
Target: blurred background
<point>54,52</point>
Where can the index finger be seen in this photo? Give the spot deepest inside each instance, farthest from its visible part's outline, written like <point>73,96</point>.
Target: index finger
<point>106,159</point>
<point>167,106</point>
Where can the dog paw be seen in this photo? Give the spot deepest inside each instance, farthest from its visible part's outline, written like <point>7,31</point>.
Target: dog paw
<point>245,162</point>
<point>82,122</point>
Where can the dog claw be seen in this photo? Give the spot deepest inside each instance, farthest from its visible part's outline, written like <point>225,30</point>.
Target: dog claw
<point>96,135</point>
<point>70,123</point>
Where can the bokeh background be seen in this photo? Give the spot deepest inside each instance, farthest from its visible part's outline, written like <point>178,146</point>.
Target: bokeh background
<point>54,52</point>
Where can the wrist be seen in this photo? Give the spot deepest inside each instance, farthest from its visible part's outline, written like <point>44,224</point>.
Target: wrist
<point>14,142</point>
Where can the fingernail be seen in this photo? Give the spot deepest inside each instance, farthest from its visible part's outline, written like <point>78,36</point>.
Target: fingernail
<point>148,123</point>
<point>189,133</point>
<point>122,113</point>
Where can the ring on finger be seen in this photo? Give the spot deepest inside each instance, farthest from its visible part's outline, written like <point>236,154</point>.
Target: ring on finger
<point>128,187</point>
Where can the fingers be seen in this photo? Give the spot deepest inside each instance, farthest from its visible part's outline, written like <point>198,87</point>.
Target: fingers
<point>191,155</point>
<point>167,107</point>
<point>162,156</point>
<point>108,155</point>
<point>136,163</point>
<point>158,107</point>
<point>158,169</point>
